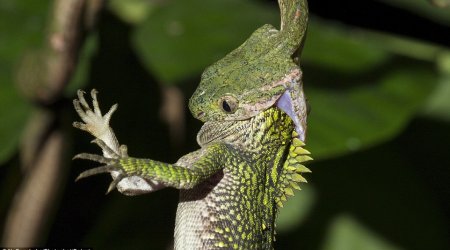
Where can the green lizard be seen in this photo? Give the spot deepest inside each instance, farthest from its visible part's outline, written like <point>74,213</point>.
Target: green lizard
<point>251,156</point>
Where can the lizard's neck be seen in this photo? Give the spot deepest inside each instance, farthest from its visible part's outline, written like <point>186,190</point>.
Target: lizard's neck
<point>269,129</point>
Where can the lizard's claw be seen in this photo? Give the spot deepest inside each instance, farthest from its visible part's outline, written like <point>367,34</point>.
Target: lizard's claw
<point>94,122</point>
<point>111,164</point>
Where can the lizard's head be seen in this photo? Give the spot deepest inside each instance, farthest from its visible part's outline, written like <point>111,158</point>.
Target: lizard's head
<point>258,75</point>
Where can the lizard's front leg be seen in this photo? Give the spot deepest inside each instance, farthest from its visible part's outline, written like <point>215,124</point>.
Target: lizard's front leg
<point>97,124</point>
<point>207,163</point>
<point>124,169</point>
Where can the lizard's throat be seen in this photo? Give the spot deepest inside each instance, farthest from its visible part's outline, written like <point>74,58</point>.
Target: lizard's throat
<point>229,131</point>
<point>270,127</point>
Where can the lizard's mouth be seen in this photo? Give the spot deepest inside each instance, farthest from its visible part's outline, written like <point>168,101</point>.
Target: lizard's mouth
<point>290,102</point>
<point>294,106</point>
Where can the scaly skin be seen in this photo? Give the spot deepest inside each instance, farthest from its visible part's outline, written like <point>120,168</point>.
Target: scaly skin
<point>252,142</point>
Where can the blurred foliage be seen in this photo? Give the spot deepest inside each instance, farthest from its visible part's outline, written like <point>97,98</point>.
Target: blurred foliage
<point>84,66</point>
<point>377,99</point>
<point>13,115</point>
<point>379,91</point>
<point>296,209</point>
<point>438,105</point>
<point>187,35</point>
<point>133,11</point>
<point>30,17</point>
<point>424,8</point>
<point>346,233</point>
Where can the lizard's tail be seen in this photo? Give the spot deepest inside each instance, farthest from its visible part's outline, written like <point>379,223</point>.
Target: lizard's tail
<point>294,21</point>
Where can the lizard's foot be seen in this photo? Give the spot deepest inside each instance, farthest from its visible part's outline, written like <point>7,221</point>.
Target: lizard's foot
<point>111,164</point>
<point>94,122</point>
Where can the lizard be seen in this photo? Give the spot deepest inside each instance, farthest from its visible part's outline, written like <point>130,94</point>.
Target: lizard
<point>251,155</point>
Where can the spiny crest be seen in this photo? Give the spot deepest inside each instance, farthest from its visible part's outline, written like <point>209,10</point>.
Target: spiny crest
<point>293,168</point>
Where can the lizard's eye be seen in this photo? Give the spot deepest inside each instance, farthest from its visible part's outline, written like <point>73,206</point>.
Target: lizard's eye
<point>228,104</point>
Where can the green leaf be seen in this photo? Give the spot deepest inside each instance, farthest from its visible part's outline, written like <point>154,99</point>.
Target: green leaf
<point>132,11</point>
<point>369,113</point>
<point>438,105</point>
<point>177,42</point>
<point>84,64</point>
<point>340,50</point>
<point>31,17</point>
<point>346,233</point>
<point>296,209</point>
<point>440,3</point>
<point>361,88</point>
<point>13,115</point>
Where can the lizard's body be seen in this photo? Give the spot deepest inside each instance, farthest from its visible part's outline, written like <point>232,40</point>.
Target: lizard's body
<point>251,151</point>
<point>212,212</point>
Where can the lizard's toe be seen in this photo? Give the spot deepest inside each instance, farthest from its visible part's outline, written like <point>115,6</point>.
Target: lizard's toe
<point>80,125</point>
<point>98,170</point>
<point>96,158</point>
